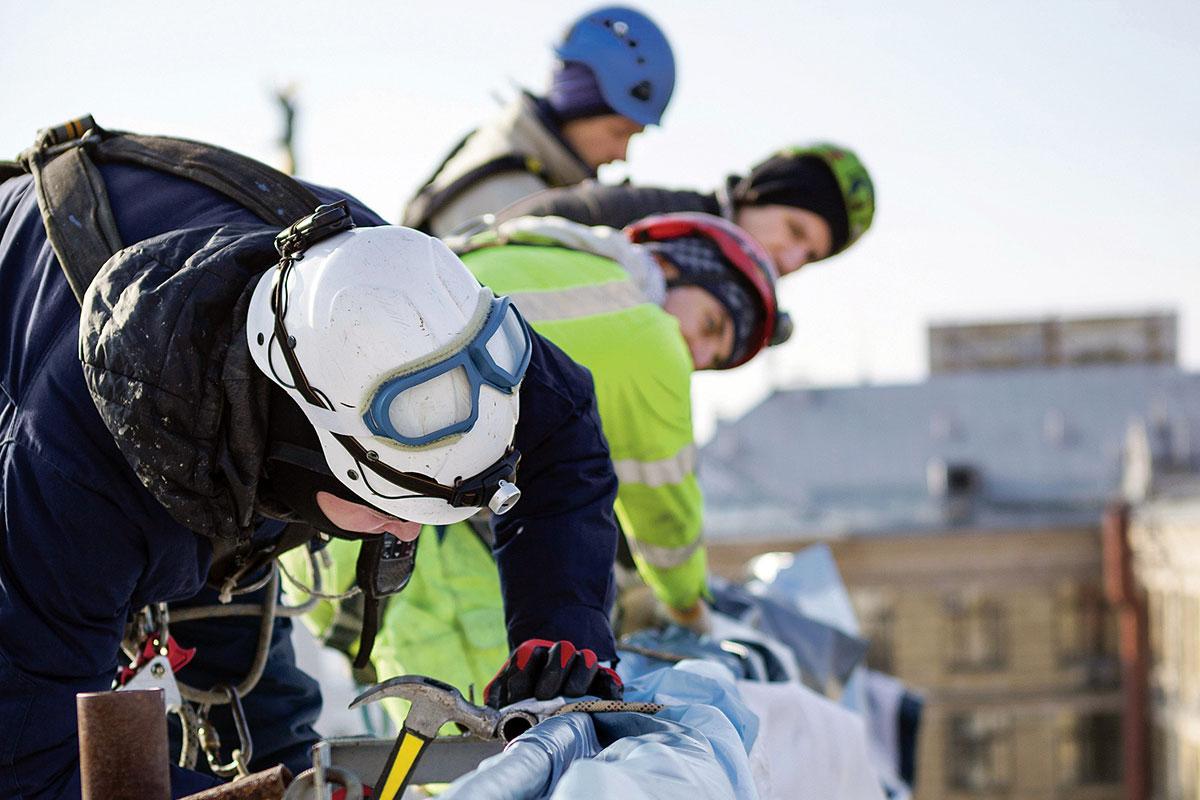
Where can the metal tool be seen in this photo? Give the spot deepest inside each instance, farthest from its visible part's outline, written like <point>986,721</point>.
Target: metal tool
<point>434,703</point>
<point>157,674</point>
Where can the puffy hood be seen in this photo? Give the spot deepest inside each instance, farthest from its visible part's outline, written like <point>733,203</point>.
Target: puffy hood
<point>598,240</point>
<point>163,344</point>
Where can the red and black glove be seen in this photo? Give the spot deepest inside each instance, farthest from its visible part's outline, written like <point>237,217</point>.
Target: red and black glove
<point>542,670</point>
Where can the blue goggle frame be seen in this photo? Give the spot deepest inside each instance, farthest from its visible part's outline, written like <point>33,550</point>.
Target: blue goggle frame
<point>477,363</point>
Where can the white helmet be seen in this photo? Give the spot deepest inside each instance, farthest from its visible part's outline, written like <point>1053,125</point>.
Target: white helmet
<point>407,368</point>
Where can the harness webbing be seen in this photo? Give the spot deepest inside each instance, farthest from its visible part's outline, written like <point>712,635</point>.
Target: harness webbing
<point>75,206</point>
<point>82,230</point>
<point>429,203</point>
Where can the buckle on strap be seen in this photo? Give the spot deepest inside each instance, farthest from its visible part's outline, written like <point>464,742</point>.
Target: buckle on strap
<point>56,139</point>
<point>307,231</point>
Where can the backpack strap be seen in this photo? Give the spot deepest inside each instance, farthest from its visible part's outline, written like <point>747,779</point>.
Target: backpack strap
<point>75,205</point>
<point>429,203</point>
<point>274,197</point>
<point>10,169</point>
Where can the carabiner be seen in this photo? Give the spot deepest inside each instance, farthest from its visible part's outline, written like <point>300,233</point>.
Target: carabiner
<point>211,742</point>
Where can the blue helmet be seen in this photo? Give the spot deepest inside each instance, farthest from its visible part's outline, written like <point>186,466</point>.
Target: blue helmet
<point>630,57</point>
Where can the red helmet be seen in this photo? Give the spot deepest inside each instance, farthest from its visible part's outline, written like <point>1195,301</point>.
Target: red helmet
<point>741,252</point>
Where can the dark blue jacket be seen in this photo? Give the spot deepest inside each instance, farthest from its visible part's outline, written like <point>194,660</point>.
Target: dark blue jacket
<point>83,543</point>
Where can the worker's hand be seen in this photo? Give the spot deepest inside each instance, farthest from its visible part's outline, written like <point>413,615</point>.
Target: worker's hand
<point>697,618</point>
<point>542,669</point>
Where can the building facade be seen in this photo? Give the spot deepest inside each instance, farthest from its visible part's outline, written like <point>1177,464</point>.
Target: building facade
<point>967,514</point>
<point>1164,538</point>
<point>1008,637</point>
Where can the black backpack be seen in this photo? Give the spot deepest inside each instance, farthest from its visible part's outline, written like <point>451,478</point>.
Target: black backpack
<point>74,203</point>
<point>429,203</point>
<point>81,228</point>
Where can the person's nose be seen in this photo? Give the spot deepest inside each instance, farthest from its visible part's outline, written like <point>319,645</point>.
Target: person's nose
<point>790,258</point>
<point>703,352</point>
<point>402,530</point>
<point>621,151</point>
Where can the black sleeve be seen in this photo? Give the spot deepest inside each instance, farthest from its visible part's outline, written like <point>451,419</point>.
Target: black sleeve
<point>592,203</point>
<point>555,549</point>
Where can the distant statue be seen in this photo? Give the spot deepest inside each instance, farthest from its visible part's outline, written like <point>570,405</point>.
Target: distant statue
<point>287,104</point>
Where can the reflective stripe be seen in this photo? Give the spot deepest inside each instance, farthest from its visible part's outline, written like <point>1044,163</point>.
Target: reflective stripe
<point>578,301</point>
<point>657,473</point>
<point>665,557</point>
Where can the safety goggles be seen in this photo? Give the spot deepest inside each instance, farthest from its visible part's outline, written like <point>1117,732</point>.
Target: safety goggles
<point>497,356</point>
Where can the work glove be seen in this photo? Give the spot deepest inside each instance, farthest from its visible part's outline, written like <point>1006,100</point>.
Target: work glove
<point>543,669</point>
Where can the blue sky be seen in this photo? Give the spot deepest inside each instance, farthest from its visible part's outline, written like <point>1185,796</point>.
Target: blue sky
<point>1031,158</point>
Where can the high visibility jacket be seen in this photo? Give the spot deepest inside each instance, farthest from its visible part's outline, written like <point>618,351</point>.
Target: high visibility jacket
<point>448,622</point>
<point>591,308</point>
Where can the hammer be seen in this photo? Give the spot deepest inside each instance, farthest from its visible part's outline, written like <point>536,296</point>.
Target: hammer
<point>434,703</point>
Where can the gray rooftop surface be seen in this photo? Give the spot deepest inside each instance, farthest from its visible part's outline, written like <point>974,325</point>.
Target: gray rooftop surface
<point>1046,444</point>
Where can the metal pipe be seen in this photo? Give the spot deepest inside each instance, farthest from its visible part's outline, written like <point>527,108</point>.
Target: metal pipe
<point>270,784</point>
<point>123,745</point>
<point>1129,602</point>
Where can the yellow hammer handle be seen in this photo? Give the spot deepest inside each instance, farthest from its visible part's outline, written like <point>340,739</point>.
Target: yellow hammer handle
<point>400,766</point>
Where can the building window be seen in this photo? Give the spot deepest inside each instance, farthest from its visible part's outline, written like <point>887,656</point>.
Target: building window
<point>1086,631</point>
<point>980,752</point>
<point>876,612</point>
<point>978,627</point>
<point>1089,749</point>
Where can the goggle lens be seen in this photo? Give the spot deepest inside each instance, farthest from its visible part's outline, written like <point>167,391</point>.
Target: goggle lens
<point>443,399</point>
<point>432,405</point>
<point>508,345</point>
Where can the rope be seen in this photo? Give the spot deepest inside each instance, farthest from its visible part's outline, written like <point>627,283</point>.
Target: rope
<point>608,706</point>
<point>189,749</point>
<point>259,664</point>
<point>314,591</point>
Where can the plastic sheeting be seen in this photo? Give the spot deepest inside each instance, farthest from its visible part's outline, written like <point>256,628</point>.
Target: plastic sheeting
<point>808,748</point>
<point>675,644</point>
<point>696,748</point>
<point>809,582</point>
<point>824,652</point>
<point>532,765</point>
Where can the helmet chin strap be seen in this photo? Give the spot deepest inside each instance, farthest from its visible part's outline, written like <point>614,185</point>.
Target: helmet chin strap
<point>295,483</point>
<point>296,468</point>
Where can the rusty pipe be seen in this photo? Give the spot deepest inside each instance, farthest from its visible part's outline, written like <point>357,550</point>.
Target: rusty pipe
<point>123,745</point>
<point>270,784</point>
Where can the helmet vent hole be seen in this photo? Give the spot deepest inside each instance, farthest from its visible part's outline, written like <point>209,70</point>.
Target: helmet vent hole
<point>632,43</point>
<point>641,91</point>
<point>641,60</point>
<point>351,474</point>
<point>260,339</point>
<point>608,23</point>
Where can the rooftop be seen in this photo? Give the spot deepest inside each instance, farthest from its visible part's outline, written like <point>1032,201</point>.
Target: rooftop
<point>1005,449</point>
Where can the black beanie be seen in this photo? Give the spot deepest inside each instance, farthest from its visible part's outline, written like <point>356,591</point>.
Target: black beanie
<point>701,263</point>
<point>806,182</point>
